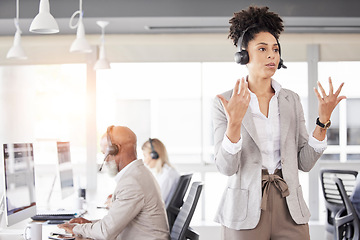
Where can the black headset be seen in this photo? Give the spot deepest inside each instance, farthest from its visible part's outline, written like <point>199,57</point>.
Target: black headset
<point>242,56</point>
<point>111,148</point>
<point>153,154</point>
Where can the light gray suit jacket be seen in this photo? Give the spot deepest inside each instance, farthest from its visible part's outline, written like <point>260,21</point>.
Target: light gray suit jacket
<point>137,211</point>
<point>240,205</point>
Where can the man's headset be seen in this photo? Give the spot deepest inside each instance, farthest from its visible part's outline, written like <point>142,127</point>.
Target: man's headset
<point>111,148</point>
<point>242,56</point>
<point>153,154</point>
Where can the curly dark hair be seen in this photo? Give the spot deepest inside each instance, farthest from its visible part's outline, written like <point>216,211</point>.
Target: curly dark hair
<point>255,19</point>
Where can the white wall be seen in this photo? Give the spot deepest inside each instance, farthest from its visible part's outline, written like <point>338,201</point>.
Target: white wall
<point>176,48</point>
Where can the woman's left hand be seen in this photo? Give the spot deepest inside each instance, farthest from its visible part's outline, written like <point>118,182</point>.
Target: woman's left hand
<point>327,103</point>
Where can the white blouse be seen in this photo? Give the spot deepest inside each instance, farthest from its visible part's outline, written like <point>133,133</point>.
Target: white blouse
<point>268,131</point>
<point>167,180</point>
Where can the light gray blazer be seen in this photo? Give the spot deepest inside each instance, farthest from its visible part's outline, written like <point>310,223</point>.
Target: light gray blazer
<point>240,205</point>
<point>137,211</point>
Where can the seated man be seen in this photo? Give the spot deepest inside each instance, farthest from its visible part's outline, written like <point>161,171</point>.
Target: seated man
<point>137,210</point>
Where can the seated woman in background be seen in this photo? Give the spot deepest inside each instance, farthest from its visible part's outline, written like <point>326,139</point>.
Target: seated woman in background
<point>156,158</point>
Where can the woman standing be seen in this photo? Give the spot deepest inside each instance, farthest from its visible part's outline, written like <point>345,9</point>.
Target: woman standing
<point>261,140</point>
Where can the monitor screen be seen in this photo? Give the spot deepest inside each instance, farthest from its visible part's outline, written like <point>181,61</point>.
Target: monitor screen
<point>19,182</point>
<point>65,169</point>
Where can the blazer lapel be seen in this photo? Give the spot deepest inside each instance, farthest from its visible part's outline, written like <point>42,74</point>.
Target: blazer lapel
<point>249,126</point>
<point>284,109</point>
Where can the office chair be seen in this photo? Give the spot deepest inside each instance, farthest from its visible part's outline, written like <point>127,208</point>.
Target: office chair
<point>177,199</point>
<point>347,223</point>
<point>181,229</point>
<point>333,201</point>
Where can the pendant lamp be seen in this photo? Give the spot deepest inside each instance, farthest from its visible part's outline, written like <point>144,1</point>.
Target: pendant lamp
<point>16,51</point>
<point>80,44</point>
<point>44,22</point>
<point>102,62</point>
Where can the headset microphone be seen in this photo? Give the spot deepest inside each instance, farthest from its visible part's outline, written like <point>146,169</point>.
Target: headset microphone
<point>106,156</point>
<point>112,149</point>
<point>281,64</point>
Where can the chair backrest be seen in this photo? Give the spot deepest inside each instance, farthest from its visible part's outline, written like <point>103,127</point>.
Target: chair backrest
<point>180,228</point>
<point>333,201</point>
<point>347,224</point>
<point>177,199</point>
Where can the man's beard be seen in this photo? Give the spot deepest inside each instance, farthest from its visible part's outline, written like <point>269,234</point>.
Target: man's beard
<point>112,168</point>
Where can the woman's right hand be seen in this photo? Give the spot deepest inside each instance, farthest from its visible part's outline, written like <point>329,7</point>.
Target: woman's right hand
<point>236,108</point>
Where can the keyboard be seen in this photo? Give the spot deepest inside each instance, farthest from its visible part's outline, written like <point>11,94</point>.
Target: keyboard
<point>45,217</point>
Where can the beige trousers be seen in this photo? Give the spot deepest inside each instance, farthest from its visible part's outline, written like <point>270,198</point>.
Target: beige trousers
<point>275,221</point>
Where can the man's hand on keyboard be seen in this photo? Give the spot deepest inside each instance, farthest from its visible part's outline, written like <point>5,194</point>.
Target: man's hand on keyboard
<point>79,220</point>
<point>68,227</point>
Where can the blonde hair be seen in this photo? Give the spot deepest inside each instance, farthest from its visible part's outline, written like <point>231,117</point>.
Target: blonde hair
<point>159,147</point>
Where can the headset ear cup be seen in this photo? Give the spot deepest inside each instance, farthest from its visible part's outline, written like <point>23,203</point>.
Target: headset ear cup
<point>154,155</point>
<point>112,150</point>
<point>242,57</point>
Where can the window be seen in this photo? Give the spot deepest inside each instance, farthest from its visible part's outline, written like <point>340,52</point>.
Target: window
<point>343,139</point>
<point>43,104</point>
<point>353,123</point>
<point>343,135</point>
<point>173,102</point>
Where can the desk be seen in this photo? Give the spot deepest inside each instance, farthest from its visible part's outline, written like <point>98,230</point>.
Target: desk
<point>16,231</point>
<point>17,234</point>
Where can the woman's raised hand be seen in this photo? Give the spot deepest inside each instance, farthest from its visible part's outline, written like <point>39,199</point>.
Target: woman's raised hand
<point>236,108</point>
<point>327,103</point>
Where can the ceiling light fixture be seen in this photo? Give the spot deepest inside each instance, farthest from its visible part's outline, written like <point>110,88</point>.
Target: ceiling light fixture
<point>44,22</point>
<point>102,62</point>
<point>80,44</point>
<point>16,51</point>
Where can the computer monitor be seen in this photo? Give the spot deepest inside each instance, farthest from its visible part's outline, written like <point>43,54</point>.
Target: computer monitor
<point>65,169</point>
<point>19,178</point>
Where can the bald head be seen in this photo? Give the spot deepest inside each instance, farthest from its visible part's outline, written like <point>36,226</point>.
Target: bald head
<point>125,139</point>
<point>123,136</point>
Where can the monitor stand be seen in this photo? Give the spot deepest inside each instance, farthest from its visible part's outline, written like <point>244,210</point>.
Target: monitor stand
<point>51,191</point>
